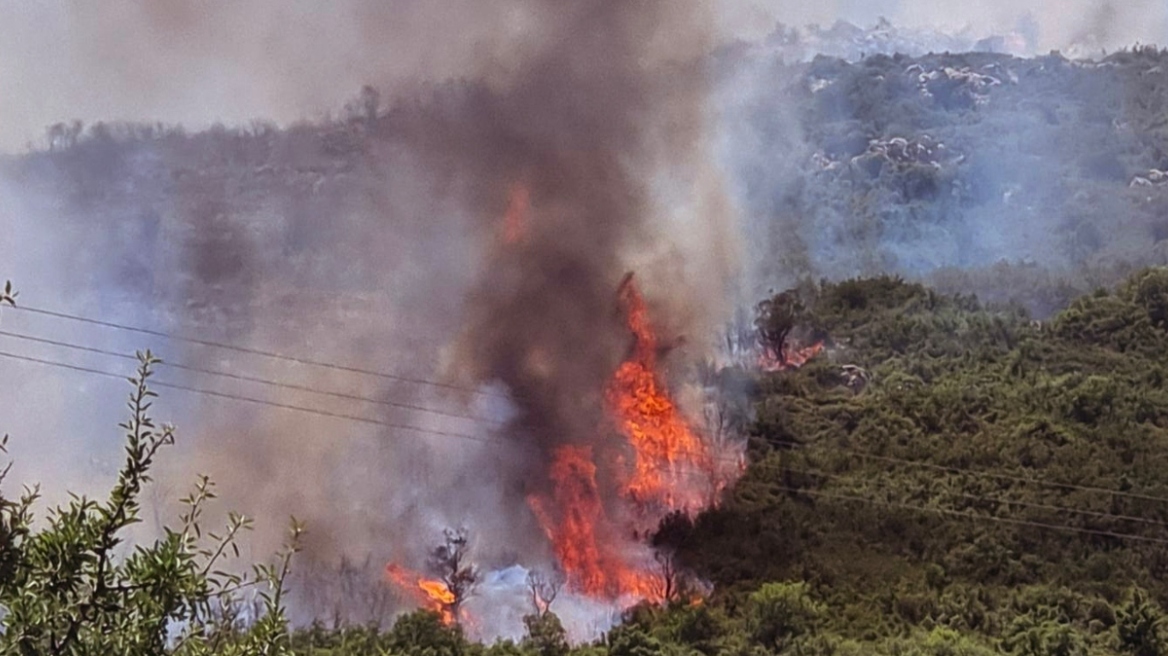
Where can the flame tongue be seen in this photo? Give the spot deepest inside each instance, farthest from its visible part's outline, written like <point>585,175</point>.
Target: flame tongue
<point>430,594</point>
<point>793,358</point>
<point>594,564</point>
<point>573,532</point>
<point>517,217</point>
<point>665,447</point>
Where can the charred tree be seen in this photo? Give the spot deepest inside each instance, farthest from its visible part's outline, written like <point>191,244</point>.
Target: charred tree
<point>777,317</point>
<point>544,587</point>
<point>451,563</point>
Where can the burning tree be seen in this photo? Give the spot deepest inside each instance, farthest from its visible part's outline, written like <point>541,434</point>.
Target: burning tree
<point>663,464</point>
<point>544,588</point>
<point>545,633</point>
<point>457,578</point>
<point>666,449</point>
<point>450,562</point>
<point>777,317</point>
<point>674,529</point>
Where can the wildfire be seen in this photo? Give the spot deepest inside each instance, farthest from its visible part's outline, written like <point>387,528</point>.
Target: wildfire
<point>592,563</point>
<point>665,448</point>
<point>573,534</point>
<point>430,594</point>
<point>793,358</point>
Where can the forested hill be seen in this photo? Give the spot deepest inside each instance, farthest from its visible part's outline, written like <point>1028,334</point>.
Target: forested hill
<point>947,467</point>
<point>952,475</point>
<point>974,171</point>
<point>945,478</point>
<point>1029,180</point>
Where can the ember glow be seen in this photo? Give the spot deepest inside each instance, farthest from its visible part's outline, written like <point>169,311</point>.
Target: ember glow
<point>430,594</point>
<point>793,358</point>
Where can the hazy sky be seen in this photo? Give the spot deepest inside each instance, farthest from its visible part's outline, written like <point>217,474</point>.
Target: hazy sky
<point>196,62</point>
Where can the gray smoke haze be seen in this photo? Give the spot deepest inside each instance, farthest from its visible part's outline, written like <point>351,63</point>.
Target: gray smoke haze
<point>201,62</point>
<point>380,243</point>
<point>387,256</point>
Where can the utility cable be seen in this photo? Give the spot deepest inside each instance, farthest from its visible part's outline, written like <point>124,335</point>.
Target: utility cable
<point>974,516</point>
<point>1012,502</point>
<point>984,474</point>
<point>255,351</point>
<point>810,492</point>
<point>274,404</point>
<point>249,379</point>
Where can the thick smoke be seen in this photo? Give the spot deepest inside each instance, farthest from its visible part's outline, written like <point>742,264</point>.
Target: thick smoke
<point>202,62</point>
<point>599,118</point>
<point>382,240</point>
<point>379,242</point>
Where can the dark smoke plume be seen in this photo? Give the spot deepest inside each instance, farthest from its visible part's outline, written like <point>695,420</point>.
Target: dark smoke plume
<point>599,124</point>
<point>594,120</point>
<point>383,241</point>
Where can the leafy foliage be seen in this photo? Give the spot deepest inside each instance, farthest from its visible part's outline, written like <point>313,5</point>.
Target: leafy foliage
<point>75,587</point>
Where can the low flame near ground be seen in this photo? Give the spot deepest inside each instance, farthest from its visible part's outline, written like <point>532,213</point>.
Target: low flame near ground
<point>793,357</point>
<point>430,594</point>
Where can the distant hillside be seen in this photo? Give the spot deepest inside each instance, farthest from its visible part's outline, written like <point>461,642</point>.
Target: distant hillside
<point>1031,180</point>
<point>1023,179</point>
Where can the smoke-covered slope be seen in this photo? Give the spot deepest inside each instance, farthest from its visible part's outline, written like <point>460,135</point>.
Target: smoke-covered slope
<point>368,239</point>
<point>947,166</point>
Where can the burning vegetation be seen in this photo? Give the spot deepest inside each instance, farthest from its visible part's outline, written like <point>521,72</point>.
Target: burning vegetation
<point>455,578</point>
<point>667,452</point>
<point>430,594</point>
<point>657,463</point>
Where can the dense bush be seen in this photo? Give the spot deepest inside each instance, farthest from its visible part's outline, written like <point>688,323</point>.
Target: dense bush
<point>70,585</point>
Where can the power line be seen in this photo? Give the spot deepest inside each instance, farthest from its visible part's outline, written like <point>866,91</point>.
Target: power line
<point>274,404</point>
<point>973,497</point>
<point>984,474</point>
<point>817,493</point>
<point>974,516</point>
<point>1025,504</point>
<point>354,397</point>
<point>481,439</point>
<point>256,351</point>
<point>250,379</point>
<point>279,384</point>
<point>256,400</point>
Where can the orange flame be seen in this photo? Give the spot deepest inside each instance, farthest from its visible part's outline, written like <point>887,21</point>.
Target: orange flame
<point>665,447</point>
<point>573,534</point>
<point>430,594</point>
<point>792,359</point>
<point>594,567</point>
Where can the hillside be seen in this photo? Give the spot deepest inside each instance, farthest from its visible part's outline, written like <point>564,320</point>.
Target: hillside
<point>975,462</point>
<point>1028,180</point>
<point>996,476</point>
<point>990,485</point>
